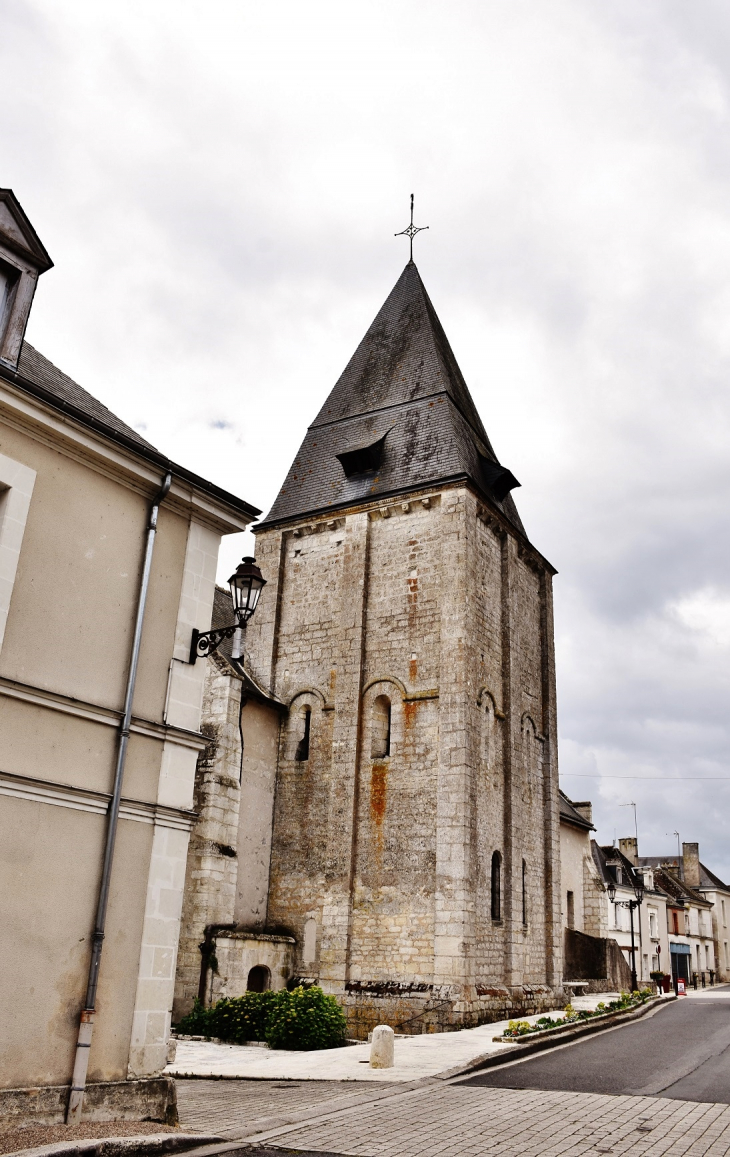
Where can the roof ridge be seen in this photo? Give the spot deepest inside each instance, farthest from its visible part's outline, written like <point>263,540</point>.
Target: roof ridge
<point>403,381</point>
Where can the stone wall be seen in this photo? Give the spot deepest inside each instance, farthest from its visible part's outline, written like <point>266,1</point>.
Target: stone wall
<point>382,863</point>
<point>153,1099</point>
<point>212,867</point>
<point>236,953</point>
<point>580,876</point>
<point>598,960</point>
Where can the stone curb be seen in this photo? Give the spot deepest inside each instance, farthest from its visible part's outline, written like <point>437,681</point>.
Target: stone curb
<point>552,1037</point>
<point>140,1143</point>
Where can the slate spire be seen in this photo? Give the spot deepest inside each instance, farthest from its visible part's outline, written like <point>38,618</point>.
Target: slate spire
<point>399,419</point>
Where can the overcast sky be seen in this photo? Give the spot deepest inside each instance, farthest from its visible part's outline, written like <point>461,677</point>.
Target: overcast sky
<point>219,184</point>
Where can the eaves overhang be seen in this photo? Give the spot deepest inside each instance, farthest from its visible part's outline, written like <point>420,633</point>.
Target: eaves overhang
<point>141,451</point>
<point>385,496</point>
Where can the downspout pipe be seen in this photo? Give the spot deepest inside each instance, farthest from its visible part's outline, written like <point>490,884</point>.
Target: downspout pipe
<point>86,1025</point>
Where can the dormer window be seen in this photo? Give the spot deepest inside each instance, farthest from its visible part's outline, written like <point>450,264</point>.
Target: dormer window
<point>497,478</point>
<point>362,459</point>
<point>22,260</point>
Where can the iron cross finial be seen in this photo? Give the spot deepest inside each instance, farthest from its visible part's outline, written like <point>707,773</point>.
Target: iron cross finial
<point>412,229</point>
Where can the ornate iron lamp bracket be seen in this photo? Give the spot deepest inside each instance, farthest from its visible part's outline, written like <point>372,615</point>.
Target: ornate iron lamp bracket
<point>205,642</point>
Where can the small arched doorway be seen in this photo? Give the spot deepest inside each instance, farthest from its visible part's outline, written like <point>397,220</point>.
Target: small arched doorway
<point>259,979</point>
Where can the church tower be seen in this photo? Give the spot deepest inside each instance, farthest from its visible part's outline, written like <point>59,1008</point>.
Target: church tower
<point>407,626</point>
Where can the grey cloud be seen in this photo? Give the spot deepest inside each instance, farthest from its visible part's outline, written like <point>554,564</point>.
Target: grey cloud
<point>221,210</point>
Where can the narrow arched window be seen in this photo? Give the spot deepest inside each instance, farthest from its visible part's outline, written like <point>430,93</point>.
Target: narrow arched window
<point>524,893</point>
<point>303,746</point>
<point>380,742</point>
<point>488,732</point>
<point>496,886</point>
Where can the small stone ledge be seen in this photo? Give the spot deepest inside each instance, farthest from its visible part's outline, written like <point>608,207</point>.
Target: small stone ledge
<point>153,1099</point>
<point>270,937</point>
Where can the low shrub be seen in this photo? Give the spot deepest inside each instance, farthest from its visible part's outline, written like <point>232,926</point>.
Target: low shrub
<point>303,1018</point>
<point>241,1018</point>
<point>197,1022</point>
<point>518,1028</point>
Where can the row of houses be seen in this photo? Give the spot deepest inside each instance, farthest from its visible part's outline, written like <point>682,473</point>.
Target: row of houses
<point>680,925</point>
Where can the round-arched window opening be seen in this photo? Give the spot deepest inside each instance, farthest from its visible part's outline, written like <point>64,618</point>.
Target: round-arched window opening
<point>380,745</point>
<point>305,723</point>
<point>259,979</point>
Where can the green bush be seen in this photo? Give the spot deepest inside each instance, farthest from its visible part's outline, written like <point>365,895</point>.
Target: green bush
<point>242,1018</point>
<point>304,1018</point>
<point>197,1022</point>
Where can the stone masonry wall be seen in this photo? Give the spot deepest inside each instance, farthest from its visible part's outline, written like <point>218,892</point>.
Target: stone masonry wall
<point>382,863</point>
<point>211,871</point>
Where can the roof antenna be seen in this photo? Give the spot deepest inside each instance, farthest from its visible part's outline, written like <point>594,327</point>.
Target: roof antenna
<point>636,824</point>
<point>411,231</point>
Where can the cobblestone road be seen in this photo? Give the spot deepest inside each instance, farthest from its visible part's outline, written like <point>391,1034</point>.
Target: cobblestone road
<point>436,1119</point>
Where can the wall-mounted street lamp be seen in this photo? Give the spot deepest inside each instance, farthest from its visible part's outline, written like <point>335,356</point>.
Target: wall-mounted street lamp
<point>631,905</point>
<point>246,586</point>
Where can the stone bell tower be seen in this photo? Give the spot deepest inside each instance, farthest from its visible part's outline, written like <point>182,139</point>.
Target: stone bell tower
<point>407,625</point>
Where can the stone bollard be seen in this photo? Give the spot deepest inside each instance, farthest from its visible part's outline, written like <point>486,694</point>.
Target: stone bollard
<point>381,1049</point>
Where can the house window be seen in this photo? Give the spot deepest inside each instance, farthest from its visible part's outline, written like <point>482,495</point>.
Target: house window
<point>302,754</point>
<point>724,921</point>
<point>727,958</point>
<point>675,922</point>
<point>524,893</point>
<point>380,744</point>
<point>571,910</point>
<point>496,886</point>
<point>655,963</point>
<point>653,924</point>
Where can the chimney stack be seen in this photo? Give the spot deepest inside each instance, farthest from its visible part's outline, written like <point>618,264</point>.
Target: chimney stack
<point>691,864</point>
<point>630,848</point>
<point>585,810</point>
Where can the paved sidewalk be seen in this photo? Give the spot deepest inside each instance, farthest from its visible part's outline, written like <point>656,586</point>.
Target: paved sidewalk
<point>437,1119</point>
<point>427,1055</point>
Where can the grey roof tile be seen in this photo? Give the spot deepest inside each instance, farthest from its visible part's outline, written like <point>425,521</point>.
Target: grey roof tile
<point>39,377</point>
<point>37,369</point>
<point>570,815</point>
<point>404,383</point>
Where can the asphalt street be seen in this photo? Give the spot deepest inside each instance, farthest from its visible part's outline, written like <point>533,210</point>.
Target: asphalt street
<point>682,1051</point>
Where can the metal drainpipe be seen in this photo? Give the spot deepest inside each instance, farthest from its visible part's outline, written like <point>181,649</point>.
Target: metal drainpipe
<point>86,1026</point>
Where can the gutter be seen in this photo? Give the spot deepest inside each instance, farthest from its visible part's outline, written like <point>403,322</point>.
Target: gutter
<point>86,1025</point>
<point>139,448</point>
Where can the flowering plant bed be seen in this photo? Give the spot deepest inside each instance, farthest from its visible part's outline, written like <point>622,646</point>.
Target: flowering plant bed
<point>516,1029</point>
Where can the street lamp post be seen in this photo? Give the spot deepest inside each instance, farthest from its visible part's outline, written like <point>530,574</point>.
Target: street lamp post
<point>246,585</point>
<point>631,905</point>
